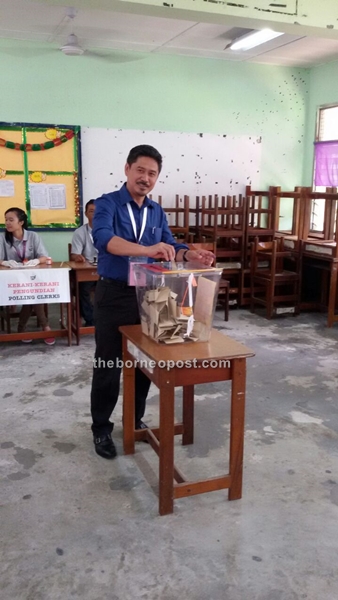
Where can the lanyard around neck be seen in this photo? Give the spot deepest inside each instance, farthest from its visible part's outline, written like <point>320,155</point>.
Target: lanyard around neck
<point>133,222</point>
<point>23,255</point>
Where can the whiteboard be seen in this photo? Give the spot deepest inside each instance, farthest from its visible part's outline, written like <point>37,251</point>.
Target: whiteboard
<point>194,164</point>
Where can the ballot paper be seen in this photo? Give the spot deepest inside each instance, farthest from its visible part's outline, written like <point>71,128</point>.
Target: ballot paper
<point>171,318</point>
<point>204,302</point>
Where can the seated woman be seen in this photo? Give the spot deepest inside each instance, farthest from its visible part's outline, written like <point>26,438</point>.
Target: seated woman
<point>22,246</point>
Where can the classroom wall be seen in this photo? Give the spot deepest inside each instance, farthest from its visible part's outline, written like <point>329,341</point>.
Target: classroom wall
<point>323,89</point>
<point>160,92</point>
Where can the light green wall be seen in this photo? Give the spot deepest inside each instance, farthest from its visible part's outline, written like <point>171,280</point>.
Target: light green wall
<point>172,93</point>
<point>323,89</point>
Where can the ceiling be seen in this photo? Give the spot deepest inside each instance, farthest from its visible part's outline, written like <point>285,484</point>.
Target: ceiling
<point>39,22</point>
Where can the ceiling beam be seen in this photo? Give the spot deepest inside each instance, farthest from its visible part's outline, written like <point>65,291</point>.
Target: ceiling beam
<point>296,17</point>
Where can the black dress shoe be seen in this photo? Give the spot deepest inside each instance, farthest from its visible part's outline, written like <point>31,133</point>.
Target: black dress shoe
<point>104,446</point>
<point>141,425</point>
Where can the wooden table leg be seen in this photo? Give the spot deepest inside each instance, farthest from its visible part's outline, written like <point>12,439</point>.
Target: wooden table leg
<point>188,415</point>
<point>332,294</point>
<point>325,288</point>
<point>166,451</point>
<point>128,404</point>
<point>77,311</point>
<point>237,427</point>
<point>69,322</point>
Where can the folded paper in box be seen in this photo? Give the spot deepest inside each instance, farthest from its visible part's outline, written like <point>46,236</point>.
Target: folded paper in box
<point>177,306</point>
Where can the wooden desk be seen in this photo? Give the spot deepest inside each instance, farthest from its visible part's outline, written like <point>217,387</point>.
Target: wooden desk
<point>219,348</point>
<point>80,272</point>
<point>323,256</point>
<point>65,329</point>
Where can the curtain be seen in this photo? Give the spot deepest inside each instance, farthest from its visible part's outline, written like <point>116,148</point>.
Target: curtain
<point>326,164</point>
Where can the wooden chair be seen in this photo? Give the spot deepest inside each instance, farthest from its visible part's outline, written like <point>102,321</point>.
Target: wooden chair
<point>178,217</point>
<point>320,267</point>
<point>195,219</point>
<point>223,220</point>
<point>329,199</point>
<point>291,203</point>
<point>260,215</point>
<point>275,285</point>
<point>302,207</point>
<point>260,221</point>
<point>7,313</point>
<point>224,285</point>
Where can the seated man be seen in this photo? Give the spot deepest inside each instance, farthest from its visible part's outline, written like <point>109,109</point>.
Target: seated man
<point>83,250</point>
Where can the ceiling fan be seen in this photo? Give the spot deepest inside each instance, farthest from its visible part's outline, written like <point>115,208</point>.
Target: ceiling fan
<point>72,46</point>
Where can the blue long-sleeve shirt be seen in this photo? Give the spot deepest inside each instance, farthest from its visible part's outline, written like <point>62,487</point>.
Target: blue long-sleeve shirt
<point>112,218</point>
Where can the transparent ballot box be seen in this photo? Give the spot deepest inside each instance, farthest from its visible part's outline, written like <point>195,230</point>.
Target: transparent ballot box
<point>176,302</point>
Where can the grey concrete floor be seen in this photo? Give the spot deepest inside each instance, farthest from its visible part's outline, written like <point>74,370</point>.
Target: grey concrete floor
<point>75,526</point>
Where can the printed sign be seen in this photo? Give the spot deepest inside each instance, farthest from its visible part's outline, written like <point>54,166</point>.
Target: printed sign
<point>34,286</point>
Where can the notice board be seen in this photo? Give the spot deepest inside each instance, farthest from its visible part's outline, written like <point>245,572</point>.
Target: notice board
<point>40,172</point>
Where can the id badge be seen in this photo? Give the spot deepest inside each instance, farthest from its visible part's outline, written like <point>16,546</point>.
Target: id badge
<point>131,275</point>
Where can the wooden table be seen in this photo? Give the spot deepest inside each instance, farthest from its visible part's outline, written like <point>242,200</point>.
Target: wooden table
<point>323,256</point>
<point>231,366</point>
<point>65,328</point>
<point>80,271</point>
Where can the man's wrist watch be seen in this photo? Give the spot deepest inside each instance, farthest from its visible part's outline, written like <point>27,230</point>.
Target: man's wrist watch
<point>184,256</point>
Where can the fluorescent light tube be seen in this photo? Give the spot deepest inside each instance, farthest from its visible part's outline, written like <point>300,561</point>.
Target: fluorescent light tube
<point>251,40</point>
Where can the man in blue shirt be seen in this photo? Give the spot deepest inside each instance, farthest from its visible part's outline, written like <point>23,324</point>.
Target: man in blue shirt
<point>126,224</point>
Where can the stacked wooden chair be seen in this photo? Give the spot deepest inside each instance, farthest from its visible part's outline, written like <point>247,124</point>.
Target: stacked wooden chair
<point>223,220</point>
<point>275,277</point>
<point>178,217</point>
<point>260,222</point>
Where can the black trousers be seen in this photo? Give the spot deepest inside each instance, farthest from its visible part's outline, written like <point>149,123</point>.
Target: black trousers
<point>115,305</point>
<point>86,288</point>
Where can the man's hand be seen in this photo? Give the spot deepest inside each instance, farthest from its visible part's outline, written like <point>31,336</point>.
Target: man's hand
<point>204,256</point>
<point>161,250</point>
<point>79,258</point>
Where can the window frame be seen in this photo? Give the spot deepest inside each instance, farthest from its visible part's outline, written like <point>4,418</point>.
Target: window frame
<point>313,232</point>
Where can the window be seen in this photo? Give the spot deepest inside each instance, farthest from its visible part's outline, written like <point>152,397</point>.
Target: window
<point>327,127</point>
<point>326,162</point>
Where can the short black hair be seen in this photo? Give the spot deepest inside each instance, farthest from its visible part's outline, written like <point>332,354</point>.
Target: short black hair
<point>145,150</point>
<point>88,204</point>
